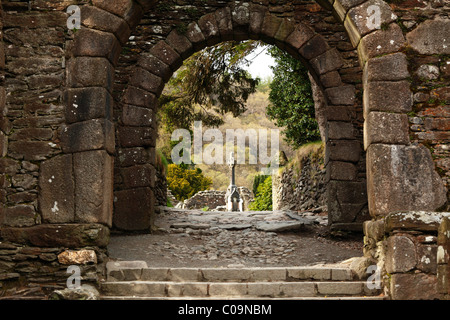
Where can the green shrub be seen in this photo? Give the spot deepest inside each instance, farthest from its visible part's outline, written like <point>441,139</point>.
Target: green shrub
<point>263,199</point>
<point>257,180</point>
<point>185,182</point>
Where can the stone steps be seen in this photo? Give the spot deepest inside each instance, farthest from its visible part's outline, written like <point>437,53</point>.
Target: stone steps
<point>242,298</point>
<point>134,280</point>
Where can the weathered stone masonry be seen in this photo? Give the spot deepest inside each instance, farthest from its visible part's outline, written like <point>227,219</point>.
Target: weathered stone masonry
<point>78,125</point>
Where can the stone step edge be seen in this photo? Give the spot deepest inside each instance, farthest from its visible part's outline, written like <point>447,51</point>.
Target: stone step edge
<point>291,274</point>
<point>257,289</point>
<point>244,298</point>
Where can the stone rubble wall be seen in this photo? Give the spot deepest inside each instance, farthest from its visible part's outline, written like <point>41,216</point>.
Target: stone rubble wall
<point>208,198</point>
<point>160,189</point>
<point>301,187</point>
<point>212,199</point>
<point>411,251</point>
<point>35,262</point>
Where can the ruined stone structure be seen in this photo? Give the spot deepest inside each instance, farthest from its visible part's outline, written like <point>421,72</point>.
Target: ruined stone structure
<point>78,128</point>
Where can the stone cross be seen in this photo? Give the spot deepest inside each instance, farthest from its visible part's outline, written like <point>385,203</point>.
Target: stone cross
<point>232,164</point>
<point>233,198</point>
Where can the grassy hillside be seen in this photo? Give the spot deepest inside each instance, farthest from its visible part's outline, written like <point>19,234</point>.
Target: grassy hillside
<point>254,118</point>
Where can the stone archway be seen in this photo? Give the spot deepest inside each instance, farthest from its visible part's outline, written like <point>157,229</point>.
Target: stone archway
<point>75,174</point>
<point>156,67</point>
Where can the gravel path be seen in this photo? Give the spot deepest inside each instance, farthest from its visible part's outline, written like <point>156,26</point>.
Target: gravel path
<point>194,238</point>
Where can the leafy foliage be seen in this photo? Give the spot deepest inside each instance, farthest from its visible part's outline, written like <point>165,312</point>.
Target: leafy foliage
<point>263,199</point>
<point>291,101</point>
<point>257,180</point>
<point>185,182</point>
<point>211,79</point>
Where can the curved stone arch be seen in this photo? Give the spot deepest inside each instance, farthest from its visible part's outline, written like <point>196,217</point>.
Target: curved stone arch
<point>156,67</point>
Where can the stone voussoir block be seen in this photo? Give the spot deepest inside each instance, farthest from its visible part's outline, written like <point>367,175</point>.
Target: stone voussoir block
<point>164,52</point>
<point>257,14</point>
<point>380,42</point>
<point>195,36</point>
<point>137,116</point>
<point>95,43</point>
<point>102,20</point>
<point>402,178</point>
<point>90,72</point>
<point>88,103</point>
<point>180,43</point>
<point>147,81</point>
<point>88,135</point>
<point>328,61</point>
<point>225,23</point>
<point>367,17</point>
<point>331,79</point>
<point>343,95</point>
<point>240,14</point>
<point>341,7</point>
<point>314,47</point>
<point>138,97</point>
<point>129,10</point>
<point>391,67</point>
<point>155,66</point>
<point>387,96</point>
<point>386,128</point>
<point>269,27</point>
<point>136,136</point>
<point>210,29</point>
<point>299,36</point>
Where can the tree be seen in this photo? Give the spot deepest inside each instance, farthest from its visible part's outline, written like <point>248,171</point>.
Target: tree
<point>211,79</point>
<point>185,182</point>
<point>291,102</point>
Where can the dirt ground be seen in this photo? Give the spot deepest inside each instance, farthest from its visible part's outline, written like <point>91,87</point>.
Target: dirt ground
<point>204,242</point>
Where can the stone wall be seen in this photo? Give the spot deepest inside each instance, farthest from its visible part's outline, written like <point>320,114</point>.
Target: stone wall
<point>301,186</point>
<point>210,199</point>
<point>411,253</point>
<point>34,262</point>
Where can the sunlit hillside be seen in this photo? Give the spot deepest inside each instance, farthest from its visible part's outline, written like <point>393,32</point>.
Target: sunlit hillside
<point>253,118</point>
